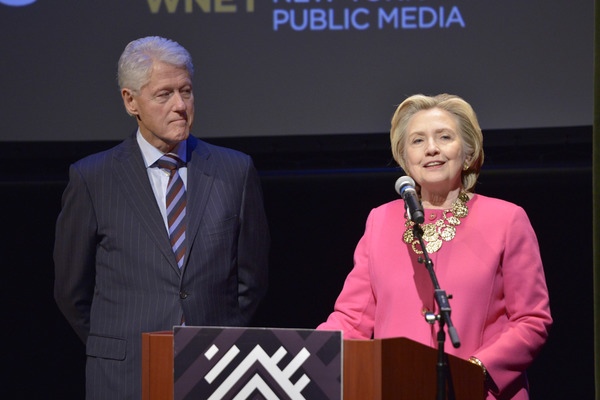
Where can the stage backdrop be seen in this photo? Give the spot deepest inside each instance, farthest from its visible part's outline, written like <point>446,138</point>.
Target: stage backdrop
<point>297,67</point>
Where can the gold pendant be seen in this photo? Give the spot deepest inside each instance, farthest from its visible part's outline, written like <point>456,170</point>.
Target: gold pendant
<point>434,246</point>
<point>408,235</point>
<point>414,247</point>
<point>430,233</point>
<point>448,233</point>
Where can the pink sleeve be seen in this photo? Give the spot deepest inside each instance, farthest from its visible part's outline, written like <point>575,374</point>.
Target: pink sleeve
<point>354,310</point>
<point>512,350</point>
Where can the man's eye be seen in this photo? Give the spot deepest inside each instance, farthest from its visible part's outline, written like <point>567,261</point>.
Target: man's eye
<point>162,97</point>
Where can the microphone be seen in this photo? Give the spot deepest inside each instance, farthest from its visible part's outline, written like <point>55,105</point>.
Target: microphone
<point>405,186</point>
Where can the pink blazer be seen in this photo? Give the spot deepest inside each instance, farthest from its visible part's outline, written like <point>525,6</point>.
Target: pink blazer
<point>493,270</point>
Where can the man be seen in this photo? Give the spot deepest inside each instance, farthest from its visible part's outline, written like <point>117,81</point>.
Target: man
<point>142,245</point>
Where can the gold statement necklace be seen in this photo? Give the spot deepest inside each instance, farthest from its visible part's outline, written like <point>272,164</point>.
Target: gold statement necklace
<point>440,231</point>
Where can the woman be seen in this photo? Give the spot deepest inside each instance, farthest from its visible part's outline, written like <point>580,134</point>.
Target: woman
<point>484,250</point>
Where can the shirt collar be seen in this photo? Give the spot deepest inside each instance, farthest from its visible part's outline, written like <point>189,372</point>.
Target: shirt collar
<point>151,154</point>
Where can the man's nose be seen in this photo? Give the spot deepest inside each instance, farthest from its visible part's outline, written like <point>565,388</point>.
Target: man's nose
<point>178,102</point>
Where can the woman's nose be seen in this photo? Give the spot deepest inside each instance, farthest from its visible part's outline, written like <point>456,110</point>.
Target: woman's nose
<point>432,147</point>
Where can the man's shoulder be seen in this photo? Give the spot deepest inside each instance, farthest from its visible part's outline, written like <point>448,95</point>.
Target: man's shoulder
<point>105,158</point>
<point>218,153</point>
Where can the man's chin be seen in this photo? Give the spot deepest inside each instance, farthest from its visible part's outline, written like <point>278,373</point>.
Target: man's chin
<point>167,143</point>
<point>180,137</point>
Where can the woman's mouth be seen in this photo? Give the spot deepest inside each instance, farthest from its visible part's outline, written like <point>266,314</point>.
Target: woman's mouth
<point>433,164</point>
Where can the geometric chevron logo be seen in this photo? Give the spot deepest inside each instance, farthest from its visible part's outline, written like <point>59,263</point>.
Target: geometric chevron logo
<point>258,355</point>
<point>256,363</point>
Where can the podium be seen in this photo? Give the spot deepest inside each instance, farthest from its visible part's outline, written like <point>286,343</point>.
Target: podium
<point>380,369</point>
<point>402,369</point>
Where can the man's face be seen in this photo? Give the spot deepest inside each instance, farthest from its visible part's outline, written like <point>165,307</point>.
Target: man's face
<point>164,107</point>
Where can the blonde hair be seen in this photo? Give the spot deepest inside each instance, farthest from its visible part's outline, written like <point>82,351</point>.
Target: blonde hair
<point>467,125</point>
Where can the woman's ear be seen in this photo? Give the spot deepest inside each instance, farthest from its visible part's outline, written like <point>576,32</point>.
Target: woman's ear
<point>467,163</point>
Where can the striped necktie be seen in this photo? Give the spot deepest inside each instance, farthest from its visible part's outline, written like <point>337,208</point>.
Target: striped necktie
<point>175,200</point>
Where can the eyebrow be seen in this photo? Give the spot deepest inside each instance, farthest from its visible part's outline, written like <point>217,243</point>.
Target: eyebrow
<point>441,130</point>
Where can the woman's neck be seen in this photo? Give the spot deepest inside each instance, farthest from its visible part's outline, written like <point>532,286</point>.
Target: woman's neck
<point>439,200</point>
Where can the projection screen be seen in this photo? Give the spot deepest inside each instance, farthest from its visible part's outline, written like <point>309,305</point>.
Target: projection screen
<point>302,67</point>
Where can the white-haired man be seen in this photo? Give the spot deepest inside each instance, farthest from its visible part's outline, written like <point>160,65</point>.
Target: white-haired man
<point>159,230</point>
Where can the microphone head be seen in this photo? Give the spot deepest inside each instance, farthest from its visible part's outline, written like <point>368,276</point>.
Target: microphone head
<point>402,182</point>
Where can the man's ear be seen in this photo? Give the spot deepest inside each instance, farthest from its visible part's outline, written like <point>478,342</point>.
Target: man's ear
<point>129,101</point>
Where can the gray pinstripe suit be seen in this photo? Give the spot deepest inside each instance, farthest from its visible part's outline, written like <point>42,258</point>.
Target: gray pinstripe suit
<point>116,275</point>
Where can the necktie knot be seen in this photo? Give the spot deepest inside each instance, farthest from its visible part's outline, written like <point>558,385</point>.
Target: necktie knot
<point>170,162</point>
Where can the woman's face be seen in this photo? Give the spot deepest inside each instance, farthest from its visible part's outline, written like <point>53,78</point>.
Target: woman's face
<point>434,152</point>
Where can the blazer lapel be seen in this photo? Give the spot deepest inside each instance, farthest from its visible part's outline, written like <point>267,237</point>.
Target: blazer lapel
<point>130,171</point>
<point>199,183</point>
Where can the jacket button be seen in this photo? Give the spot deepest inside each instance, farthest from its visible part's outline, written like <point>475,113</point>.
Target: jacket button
<point>183,295</point>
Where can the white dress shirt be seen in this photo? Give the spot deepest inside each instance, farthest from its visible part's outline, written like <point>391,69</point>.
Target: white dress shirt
<point>159,178</point>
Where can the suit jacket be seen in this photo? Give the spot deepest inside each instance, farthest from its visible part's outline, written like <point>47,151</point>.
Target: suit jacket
<point>116,274</point>
<point>493,270</point>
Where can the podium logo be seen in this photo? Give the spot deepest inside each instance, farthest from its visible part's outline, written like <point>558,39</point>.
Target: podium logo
<point>253,380</point>
<point>17,3</point>
<point>256,363</point>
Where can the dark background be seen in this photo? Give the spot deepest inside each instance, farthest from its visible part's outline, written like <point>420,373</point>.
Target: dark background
<point>318,191</point>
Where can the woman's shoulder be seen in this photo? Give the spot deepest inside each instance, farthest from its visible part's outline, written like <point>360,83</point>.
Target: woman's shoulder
<point>388,211</point>
<point>391,206</point>
<point>493,206</point>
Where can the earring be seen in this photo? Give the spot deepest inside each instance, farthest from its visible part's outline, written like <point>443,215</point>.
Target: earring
<point>465,167</point>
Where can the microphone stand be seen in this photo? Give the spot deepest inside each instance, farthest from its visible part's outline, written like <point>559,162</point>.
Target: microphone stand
<point>443,319</point>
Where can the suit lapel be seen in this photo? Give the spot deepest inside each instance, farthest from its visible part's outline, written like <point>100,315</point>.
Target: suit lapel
<point>130,171</point>
<point>199,184</point>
